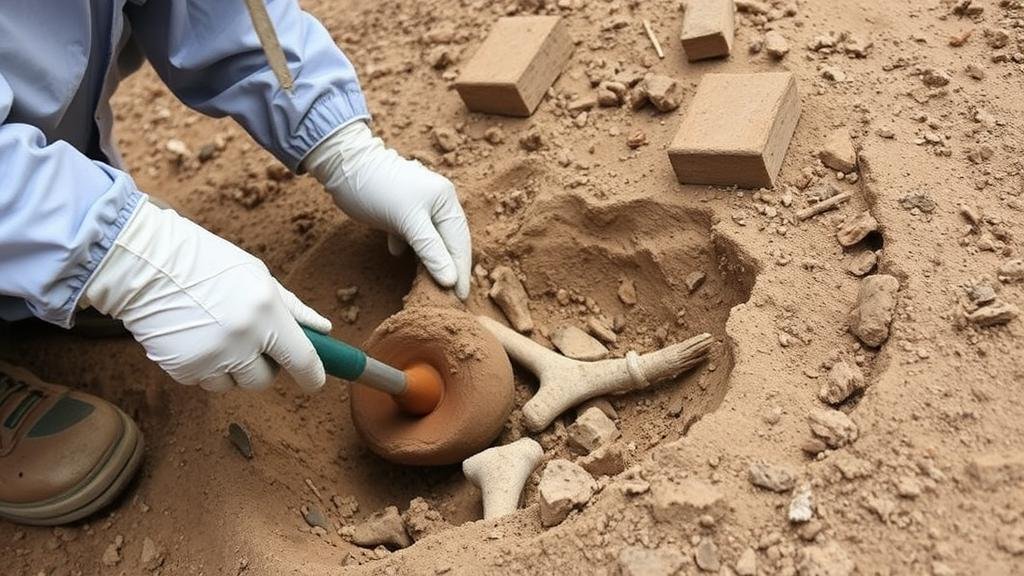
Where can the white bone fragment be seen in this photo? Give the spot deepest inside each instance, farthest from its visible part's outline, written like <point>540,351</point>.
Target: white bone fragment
<point>564,382</point>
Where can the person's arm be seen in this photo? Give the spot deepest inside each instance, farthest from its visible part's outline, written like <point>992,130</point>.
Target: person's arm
<point>208,54</point>
<point>72,229</point>
<point>60,213</point>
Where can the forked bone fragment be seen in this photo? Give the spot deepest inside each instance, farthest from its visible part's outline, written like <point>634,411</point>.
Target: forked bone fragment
<point>501,473</point>
<point>564,382</point>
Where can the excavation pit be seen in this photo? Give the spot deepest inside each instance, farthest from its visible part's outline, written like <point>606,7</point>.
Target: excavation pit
<point>562,245</point>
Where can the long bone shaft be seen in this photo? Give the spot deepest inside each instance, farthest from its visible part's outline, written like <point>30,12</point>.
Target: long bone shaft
<point>565,383</point>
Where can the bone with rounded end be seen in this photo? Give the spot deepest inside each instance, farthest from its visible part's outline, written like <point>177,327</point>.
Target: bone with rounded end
<point>564,383</point>
<point>501,472</point>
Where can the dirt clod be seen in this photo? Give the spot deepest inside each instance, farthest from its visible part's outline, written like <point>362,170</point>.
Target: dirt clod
<point>876,303</point>
<point>564,486</point>
<point>384,527</point>
<point>577,344</point>
<point>591,430</point>
<point>833,427</point>
<point>640,561</point>
<point>771,477</point>
<point>685,500</point>
<point>510,295</point>
<point>838,152</point>
<point>842,380</point>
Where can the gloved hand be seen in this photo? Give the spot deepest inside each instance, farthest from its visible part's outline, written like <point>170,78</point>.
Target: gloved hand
<point>206,311</point>
<point>375,185</point>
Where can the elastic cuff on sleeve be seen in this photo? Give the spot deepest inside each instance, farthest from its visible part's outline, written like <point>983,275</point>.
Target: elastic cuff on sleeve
<point>330,113</point>
<point>65,315</point>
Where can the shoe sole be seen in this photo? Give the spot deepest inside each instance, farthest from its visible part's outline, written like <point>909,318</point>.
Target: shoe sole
<point>94,493</point>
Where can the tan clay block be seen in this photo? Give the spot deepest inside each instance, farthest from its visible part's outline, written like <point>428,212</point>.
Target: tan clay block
<point>736,130</point>
<point>707,29</point>
<point>515,65</point>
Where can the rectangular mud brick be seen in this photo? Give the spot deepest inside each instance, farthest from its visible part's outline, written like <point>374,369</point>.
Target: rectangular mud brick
<point>707,29</point>
<point>515,65</point>
<point>736,130</point>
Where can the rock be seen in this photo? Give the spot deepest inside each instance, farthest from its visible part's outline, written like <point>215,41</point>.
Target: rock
<point>602,404</point>
<point>771,477</point>
<point>582,103</point>
<point>440,57</point>
<point>664,92</point>
<point>494,135</point>
<point>510,295</point>
<point>444,139</point>
<point>833,427</point>
<point>1011,270</point>
<point>421,520</point>
<point>827,560</point>
<point>862,263</point>
<point>532,140</point>
<point>627,292</point>
<point>833,73</point>
<point>636,140</point>
<point>843,379</point>
<point>752,6</point>
<point>384,527</point>
<point>637,561</point>
<point>975,71</point>
<point>694,280</point>
<point>746,564</point>
<point>577,344</point>
<point>857,47</point>
<point>876,303</point>
<point>178,149</point>
<point>838,152</point>
<point>685,500</point>
<point>856,228</point>
<point>801,507</point>
<point>981,294</point>
<point>346,294</point>
<point>706,556</point>
<point>776,45</point>
<point>935,78</point>
<point>591,430</point>
<point>607,98</point>
<point>239,438</point>
<point>314,517</point>
<point>994,314</point>
<point>601,329</point>
<point>112,555</point>
<point>152,555</point>
<point>607,460</point>
<point>563,487</point>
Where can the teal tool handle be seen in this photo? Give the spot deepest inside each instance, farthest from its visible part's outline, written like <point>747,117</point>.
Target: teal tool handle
<point>340,360</point>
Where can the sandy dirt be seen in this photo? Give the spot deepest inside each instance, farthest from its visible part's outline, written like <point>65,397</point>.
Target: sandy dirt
<point>923,475</point>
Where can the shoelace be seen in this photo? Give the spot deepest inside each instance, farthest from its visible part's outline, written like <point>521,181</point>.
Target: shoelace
<point>11,388</point>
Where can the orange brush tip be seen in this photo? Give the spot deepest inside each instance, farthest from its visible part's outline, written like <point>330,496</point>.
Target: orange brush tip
<point>424,389</point>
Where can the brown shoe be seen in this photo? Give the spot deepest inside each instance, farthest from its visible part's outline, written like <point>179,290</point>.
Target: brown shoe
<point>63,454</point>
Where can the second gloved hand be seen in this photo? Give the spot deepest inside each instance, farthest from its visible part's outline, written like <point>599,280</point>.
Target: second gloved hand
<point>415,205</point>
<point>206,311</point>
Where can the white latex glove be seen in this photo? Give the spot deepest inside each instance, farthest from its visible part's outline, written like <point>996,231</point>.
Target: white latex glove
<point>415,205</point>
<point>206,311</point>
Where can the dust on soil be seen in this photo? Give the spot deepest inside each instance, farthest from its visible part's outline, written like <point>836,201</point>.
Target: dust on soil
<point>930,485</point>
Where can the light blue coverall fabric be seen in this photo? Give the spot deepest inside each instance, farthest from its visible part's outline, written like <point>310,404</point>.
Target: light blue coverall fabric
<point>63,197</point>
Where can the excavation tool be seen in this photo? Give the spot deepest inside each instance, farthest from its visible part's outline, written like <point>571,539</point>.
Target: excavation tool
<point>271,45</point>
<point>417,389</point>
<point>432,329</point>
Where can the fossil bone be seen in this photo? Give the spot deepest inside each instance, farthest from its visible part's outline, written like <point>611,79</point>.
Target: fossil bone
<point>564,383</point>
<point>501,472</point>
